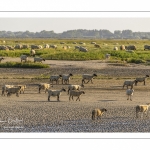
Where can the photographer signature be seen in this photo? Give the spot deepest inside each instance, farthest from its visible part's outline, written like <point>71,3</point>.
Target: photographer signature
<point>10,120</point>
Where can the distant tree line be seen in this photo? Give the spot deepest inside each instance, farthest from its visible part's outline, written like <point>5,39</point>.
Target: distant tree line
<point>80,33</point>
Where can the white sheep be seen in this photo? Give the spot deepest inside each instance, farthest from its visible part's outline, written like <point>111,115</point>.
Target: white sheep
<point>75,87</point>
<point>55,93</point>
<point>2,58</point>
<point>37,59</point>
<point>24,57</point>
<point>129,93</point>
<point>13,90</point>
<point>98,113</point>
<point>44,86</point>
<point>128,83</point>
<point>88,77</point>
<point>55,78</point>
<point>66,78</point>
<point>76,94</point>
<point>142,79</point>
<point>143,109</point>
<point>32,52</point>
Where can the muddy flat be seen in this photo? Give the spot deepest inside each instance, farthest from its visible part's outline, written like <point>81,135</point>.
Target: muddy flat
<point>31,111</point>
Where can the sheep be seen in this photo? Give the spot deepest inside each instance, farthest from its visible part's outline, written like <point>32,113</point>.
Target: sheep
<point>122,47</point>
<point>66,78</point>
<point>93,42</point>
<point>97,45</point>
<point>107,56</point>
<point>142,109</point>
<point>75,87</point>
<point>37,59</point>
<point>77,47</point>
<point>13,90</point>
<point>98,113</point>
<point>22,89</point>
<point>24,57</point>
<point>129,93</point>
<point>128,83</point>
<point>55,78</point>
<point>76,94</point>
<point>2,58</point>
<point>115,48</point>
<point>88,77</point>
<point>32,52</point>
<point>44,86</point>
<point>55,93</point>
<point>5,87</point>
<point>142,79</point>
<point>53,46</point>
<point>82,49</point>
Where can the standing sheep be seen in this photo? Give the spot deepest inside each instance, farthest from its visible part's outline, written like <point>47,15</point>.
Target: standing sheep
<point>32,52</point>
<point>5,87</point>
<point>66,78</point>
<point>129,83</point>
<point>142,109</point>
<point>129,93</point>
<point>37,59</point>
<point>98,113</point>
<point>55,93</point>
<point>142,79</point>
<point>24,57</point>
<point>55,78</point>
<point>76,94</point>
<point>88,77</point>
<point>13,90</point>
<point>2,58</point>
<point>44,86</point>
<point>107,56</point>
<point>75,87</point>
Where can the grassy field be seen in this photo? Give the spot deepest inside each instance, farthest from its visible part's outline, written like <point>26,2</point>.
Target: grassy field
<point>138,56</point>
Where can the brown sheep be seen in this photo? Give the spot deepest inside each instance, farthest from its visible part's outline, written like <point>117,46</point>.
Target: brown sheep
<point>98,113</point>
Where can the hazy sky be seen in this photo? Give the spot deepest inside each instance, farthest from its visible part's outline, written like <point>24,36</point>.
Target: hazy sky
<point>59,25</point>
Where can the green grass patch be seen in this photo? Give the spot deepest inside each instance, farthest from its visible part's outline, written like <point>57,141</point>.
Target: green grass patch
<point>23,65</point>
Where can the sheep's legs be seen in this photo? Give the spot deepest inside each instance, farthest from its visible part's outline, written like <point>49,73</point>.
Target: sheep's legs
<point>39,90</point>
<point>58,98</point>
<point>78,98</point>
<point>48,98</point>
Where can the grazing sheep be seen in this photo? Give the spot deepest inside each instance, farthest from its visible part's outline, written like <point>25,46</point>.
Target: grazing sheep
<point>98,113</point>
<point>93,42</point>
<point>107,56</point>
<point>37,59</point>
<point>53,46</point>
<point>82,49</point>
<point>66,78</point>
<point>32,52</point>
<point>44,86</point>
<point>76,94</point>
<point>142,79</point>
<point>77,47</point>
<point>131,47</point>
<point>62,43</point>
<point>2,58</point>
<point>88,77</point>
<point>55,93</point>
<point>122,47</point>
<point>13,90</point>
<point>146,47</point>
<point>75,87</point>
<point>46,46</point>
<point>129,93</point>
<point>11,48</point>
<point>142,109</point>
<point>74,42</point>
<point>24,57</point>
<point>97,45</point>
<point>55,78</point>
<point>115,48</point>
<point>129,83</point>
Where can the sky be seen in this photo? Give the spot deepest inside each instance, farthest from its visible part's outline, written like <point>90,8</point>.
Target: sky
<point>60,24</point>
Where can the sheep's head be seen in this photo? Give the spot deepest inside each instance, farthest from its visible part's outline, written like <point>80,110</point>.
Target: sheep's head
<point>103,109</point>
<point>147,75</point>
<point>71,74</point>
<point>95,75</point>
<point>63,90</point>
<point>43,59</point>
<point>83,92</point>
<point>60,75</point>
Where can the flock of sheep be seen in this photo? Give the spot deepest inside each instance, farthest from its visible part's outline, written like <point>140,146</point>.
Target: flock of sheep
<point>75,91</point>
